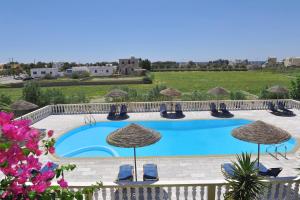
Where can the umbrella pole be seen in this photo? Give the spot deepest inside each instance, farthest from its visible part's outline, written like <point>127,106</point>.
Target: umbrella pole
<point>135,164</point>
<point>258,152</point>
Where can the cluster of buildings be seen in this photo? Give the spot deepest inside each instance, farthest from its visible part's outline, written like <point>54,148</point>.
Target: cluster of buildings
<point>287,62</point>
<point>129,66</point>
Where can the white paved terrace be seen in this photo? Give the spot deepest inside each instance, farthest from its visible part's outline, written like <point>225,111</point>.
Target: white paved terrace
<point>170,168</point>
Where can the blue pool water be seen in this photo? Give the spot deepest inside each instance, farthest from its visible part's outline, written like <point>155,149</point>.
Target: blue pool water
<point>179,138</point>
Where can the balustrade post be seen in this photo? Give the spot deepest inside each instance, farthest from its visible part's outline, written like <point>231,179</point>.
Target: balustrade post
<point>211,192</point>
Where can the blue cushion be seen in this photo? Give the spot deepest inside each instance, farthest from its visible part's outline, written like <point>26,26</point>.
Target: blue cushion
<point>125,172</point>
<point>150,172</point>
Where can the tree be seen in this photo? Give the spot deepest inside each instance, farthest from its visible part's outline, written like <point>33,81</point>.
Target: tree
<point>245,183</point>
<point>295,88</point>
<point>145,64</point>
<point>32,92</point>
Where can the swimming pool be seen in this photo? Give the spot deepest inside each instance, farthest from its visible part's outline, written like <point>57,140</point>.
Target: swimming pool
<point>179,138</point>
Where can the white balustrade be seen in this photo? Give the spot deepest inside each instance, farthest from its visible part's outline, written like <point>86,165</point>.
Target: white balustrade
<point>279,188</point>
<point>103,108</point>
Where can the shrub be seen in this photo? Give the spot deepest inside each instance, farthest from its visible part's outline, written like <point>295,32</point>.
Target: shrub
<point>32,92</point>
<point>5,99</point>
<point>245,183</point>
<point>238,95</point>
<point>75,75</point>
<point>295,88</point>
<point>49,77</point>
<point>52,96</point>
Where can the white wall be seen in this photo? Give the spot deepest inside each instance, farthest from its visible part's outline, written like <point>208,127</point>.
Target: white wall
<point>42,72</point>
<point>102,70</point>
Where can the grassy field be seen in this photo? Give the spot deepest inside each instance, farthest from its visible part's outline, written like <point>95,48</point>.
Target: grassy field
<point>252,82</point>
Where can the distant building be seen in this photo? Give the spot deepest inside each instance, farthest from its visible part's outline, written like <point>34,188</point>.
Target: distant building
<point>129,66</point>
<point>292,61</point>
<point>106,70</point>
<point>271,62</point>
<point>42,72</point>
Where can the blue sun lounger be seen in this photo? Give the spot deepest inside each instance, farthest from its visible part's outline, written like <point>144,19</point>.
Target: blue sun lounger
<point>150,172</point>
<point>125,173</point>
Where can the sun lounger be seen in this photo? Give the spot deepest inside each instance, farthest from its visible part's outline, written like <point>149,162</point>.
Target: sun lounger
<point>282,107</point>
<point>224,110</point>
<point>272,108</point>
<point>213,109</point>
<point>125,173</point>
<point>150,172</point>
<point>163,110</point>
<point>263,171</point>
<point>123,111</point>
<point>112,112</point>
<point>178,111</point>
<point>271,172</point>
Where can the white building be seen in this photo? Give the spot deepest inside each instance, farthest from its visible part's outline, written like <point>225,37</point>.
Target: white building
<point>292,61</point>
<point>106,70</point>
<point>42,72</point>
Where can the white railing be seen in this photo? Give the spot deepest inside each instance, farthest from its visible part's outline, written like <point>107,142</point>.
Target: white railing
<point>38,115</point>
<point>103,108</point>
<point>280,188</point>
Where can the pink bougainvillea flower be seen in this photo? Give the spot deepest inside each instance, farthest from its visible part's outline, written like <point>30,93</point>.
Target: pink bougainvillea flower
<point>5,118</point>
<point>62,183</point>
<point>50,133</point>
<point>51,150</point>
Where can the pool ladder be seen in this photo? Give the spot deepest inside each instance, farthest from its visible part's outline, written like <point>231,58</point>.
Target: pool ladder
<point>90,120</point>
<point>276,150</point>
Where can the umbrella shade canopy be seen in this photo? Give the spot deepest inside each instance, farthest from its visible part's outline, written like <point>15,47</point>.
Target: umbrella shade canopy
<point>116,93</point>
<point>218,91</point>
<point>278,90</point>
<point>22,105</point>
<point>260,132</point>
<point>170,92</point>
<point>133,135</point>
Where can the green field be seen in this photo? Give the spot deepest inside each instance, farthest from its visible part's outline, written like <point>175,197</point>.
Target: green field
<point>252,82</point>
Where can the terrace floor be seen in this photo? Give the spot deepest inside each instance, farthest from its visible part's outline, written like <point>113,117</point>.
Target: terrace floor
<point>170,168</point>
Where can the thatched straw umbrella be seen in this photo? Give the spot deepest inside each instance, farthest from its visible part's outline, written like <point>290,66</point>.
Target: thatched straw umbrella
<point>218,91</point>
<point>133,136</point>
<point>278,90</point>
<point>260,132</point>
<point>171,92</point>
<point>116,93</point>
<point>22,105</point>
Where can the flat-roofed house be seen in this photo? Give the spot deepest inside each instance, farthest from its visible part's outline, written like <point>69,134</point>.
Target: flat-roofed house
<point>129,65</point>
<point>106,70</point>
<point>42,72</point>
<point>292,61</point>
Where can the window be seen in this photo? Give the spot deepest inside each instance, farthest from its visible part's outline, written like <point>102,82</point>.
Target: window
<point>50,72</point>
<point>34,72</point>
<point>128,61</point>
<point>43,72</point>
<point>107,71</point>
<point>95,71</point>
<point>132,62</point>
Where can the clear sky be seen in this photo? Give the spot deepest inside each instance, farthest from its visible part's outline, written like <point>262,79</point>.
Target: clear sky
<point>182,30</point>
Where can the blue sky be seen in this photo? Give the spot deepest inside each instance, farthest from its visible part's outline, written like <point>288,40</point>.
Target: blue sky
<point>182,30</point>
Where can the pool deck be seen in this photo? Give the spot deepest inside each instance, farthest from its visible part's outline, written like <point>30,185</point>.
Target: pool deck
<point>170,168</point>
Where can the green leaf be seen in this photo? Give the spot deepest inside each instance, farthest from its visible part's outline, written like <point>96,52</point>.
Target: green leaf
<point>32,195</point>
<point>5,145</point>
<point>26,151</point>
